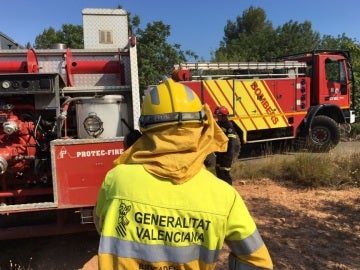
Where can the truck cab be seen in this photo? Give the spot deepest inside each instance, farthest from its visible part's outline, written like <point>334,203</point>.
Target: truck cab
<point>331,79</point>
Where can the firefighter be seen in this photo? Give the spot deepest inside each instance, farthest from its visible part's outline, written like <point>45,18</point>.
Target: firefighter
<point>160,208</point>
<point>224,160</point>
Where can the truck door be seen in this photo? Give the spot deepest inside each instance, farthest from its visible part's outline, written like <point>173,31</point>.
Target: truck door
<point>337,85</point>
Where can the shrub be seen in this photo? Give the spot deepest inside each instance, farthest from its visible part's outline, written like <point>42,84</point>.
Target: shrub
<point>306,169</point>
<point>355,131</point>
<point>351,169</point>
<point>310,170</point>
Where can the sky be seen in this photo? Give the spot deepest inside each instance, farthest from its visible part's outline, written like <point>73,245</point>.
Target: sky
<point>197,25</point>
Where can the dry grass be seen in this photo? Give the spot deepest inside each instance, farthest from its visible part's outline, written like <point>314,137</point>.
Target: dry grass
<point>307,169</point>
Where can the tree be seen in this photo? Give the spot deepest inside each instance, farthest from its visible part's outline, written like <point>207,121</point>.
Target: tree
<point>156,57</point>
<point>293,37</point>
<point>70,35</point>
<point>247,38</point>
<point>46,39</point>
<point>252,38</point>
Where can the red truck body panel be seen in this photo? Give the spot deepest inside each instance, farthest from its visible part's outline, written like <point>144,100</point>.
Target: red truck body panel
<point>80,167</point>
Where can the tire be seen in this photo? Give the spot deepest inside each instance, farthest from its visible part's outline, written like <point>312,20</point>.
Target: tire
<point>323,135</point>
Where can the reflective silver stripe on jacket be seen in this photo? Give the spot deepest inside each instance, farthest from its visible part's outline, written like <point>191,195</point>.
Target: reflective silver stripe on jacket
<point>156,253</point>
<point>246,246</point>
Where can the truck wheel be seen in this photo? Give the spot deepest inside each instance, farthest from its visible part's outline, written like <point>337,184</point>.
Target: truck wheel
<point>324,134</point>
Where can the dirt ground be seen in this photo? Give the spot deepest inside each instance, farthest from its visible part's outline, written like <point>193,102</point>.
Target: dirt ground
<point>303,229</point>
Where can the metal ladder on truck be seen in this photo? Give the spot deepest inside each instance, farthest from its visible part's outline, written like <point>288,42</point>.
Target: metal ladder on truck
<point>288,69</point>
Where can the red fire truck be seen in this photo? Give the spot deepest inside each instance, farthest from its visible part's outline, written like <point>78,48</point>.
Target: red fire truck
<point>63,116</point>
<point>302,99</point>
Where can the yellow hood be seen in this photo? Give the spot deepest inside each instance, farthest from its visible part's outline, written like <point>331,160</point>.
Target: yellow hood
<point>176,152</point>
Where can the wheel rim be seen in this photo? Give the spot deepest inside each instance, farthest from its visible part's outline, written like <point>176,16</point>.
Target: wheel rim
<point>320,135</point>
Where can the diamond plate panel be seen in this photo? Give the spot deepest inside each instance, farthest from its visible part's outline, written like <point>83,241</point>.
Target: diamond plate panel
<point>96,20</point>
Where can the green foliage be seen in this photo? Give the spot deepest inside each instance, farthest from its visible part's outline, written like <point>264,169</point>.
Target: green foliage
<point>70,35</point>
<point>256,169</point>
<point>301,170</point>
<point>247,37</point>
<point>156,57</point>
<point>294,37</point>
<point>355,131</point>
<point>331,170</point>
<point>253,38</point>
<point>46,39</point>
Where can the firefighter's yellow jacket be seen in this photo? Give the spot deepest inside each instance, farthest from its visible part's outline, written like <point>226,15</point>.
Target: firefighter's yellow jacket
<point>156,211</point>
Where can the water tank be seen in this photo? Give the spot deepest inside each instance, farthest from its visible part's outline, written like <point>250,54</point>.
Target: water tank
<point>100,117</point>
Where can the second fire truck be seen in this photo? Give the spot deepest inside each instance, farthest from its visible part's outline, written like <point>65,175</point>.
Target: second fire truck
<point>303,99</point>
